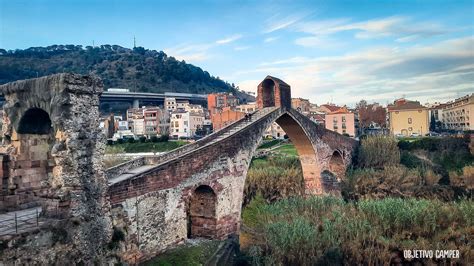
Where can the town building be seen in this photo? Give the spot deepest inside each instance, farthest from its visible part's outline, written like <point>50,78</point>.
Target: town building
<point>247,108</point>
<point>184,124</point>
<point>216,102</point>
<point>147,121</point>
<point>275,131</point>
<point>170,104</point>
<point>301,105</point>
<point>408,118</point>
<point>459,114</point>
<point>341,121</point>
<point>327,108</point>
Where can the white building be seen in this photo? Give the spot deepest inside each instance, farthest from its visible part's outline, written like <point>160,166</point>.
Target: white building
<point>275,131</point>
<point>196,108</point>
<point>138,127</point>
<point>183,124</point>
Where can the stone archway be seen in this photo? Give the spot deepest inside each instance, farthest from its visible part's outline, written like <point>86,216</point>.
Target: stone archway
<point>33,140</point>
<point>337,166</point>
<point>268,93</point>
<point>306,153</point>
<point>202,214</point>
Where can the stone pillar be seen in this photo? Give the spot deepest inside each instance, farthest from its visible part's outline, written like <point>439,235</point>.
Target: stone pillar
<point>136,103</point>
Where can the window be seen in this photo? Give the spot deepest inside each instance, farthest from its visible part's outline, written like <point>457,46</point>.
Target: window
<point>409,120</point>
<point>343,119</point>
<point>186,123</point>
<point>410,129</point>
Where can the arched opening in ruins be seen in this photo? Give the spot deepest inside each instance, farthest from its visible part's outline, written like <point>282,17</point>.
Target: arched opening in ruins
<point>33,160</point>
<point>35,121</point>
<point>336,165</point>
<point>268,93</point>
<point>202,213</point>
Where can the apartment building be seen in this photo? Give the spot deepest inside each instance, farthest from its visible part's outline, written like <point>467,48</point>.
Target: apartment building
<point>408,118</point>
<point>459,114</point>
<point>147,121</point>
<point>341,121</point>
<point>184,124</point>
<point>275,131</point>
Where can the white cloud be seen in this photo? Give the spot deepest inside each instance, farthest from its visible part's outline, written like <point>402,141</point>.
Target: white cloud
<point>270,39</point>
<point>229,39</point>
<point>279,21</point>
<point>437,72</point>
<point>241,48</point>
<point>403,28</point>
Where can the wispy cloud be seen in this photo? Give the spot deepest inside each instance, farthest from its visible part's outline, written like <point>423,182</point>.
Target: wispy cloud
<point>229,39</point>
<point>280,21</point>
<point>428,73</point>
<point>198,52</point>
<point>270,39</point>
<point>241,48</point>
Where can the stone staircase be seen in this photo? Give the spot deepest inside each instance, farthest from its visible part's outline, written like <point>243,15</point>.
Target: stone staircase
<point>143,164</point>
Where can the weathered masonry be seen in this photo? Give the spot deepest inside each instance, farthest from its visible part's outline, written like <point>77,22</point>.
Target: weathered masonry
<point>197,190</point>
<point>52,160</point>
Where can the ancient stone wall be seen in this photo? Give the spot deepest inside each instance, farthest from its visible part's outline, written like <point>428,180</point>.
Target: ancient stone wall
<point>57,166</point>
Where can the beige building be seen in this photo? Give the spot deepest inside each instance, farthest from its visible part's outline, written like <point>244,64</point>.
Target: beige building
<point>341,121</point>
<point>458,115</point>
<point>408,118</point>
<point>246,108</point>
<point>301,105</point>
<point>275,131</point>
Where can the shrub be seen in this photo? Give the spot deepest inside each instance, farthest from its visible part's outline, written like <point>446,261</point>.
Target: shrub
<point>164,138</point>
<point>131,140</point>
<point>378,152</point>
<point>110,142</point>
<point>154,139</point>
<point>120,141</point>
<point>142,139</point>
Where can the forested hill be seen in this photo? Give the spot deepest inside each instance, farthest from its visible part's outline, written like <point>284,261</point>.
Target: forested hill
<point>137,69</point>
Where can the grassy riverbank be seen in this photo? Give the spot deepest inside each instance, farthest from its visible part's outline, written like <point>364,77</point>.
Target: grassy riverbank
<point>144,147</point>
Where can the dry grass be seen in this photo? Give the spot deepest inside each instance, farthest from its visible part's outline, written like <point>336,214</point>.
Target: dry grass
<point>328,230</point>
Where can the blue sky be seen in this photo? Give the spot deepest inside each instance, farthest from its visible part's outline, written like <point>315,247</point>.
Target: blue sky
<point>339,51</point>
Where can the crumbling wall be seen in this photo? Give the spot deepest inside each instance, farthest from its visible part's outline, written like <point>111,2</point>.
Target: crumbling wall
<point>61,171</point>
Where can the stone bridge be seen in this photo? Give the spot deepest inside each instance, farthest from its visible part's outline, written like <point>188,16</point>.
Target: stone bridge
<point>52,158</point>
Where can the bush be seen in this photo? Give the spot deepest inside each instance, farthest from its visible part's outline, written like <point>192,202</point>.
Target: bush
<point>378,152</point>
<point>154,139</point>
<point>164,138</point>
<point>120,141</point>
<point>110,142</point>
<point>131,140</point>
<point>142,139</point>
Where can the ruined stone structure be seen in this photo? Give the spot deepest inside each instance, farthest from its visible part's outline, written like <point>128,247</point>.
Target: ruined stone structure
<point>52,158</point>
<point>52,153</point>
<point>197,190</point>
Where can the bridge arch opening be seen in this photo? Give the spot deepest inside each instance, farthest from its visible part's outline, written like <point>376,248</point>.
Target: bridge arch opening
<point>336,165</point>
<point>306,153</point>
<point>268,92</point>
<point>202,213</point>
<point>35,121</point>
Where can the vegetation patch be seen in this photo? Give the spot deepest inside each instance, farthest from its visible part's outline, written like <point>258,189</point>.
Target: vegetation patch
<point>144,147</point>
<point>308,231</point>
<point>193,255</point>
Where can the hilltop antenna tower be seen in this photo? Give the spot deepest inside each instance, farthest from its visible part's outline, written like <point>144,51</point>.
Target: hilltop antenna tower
<point>134,42</point>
